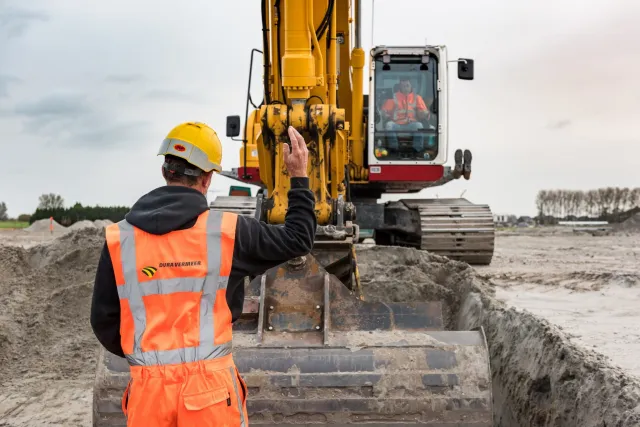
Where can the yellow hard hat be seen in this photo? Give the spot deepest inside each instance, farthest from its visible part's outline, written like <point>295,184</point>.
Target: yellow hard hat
<point>195,142</point>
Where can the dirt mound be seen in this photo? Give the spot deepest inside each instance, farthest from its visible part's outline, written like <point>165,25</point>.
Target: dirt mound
<point>542,379</point>
<point>404,274</point>
<point>574,280</point>
<point>102,223</point>
<point>68,250</point>
<point>82,224</point>
<point>44,326</point>
<point>539,377</point>
<point>42,225</point>
<point>631,225</point>
<point>14,262</point>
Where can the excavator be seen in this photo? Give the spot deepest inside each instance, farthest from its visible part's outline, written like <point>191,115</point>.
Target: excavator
<point>312,349</point>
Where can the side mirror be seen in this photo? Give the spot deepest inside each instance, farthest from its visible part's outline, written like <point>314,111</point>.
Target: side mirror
<point>465,69</point>
<point>233,126</point>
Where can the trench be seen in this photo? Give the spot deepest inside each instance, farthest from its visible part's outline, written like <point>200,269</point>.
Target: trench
<point>539,378</point>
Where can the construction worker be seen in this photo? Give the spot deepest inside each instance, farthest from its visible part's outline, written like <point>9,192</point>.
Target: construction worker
<point>169,284</point>
<point>404,113</point>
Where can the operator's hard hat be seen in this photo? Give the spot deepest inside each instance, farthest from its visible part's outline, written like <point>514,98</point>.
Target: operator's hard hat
<point>195,142</point>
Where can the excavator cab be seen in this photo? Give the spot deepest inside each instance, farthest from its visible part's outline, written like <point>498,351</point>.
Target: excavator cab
<point>407,112</point>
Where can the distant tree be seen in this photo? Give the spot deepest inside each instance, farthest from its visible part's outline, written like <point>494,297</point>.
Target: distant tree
<point>24,218</point>
<point>635,197</point>
<point>51,201</point>
<point>591,201</point>
<point>3,211</point>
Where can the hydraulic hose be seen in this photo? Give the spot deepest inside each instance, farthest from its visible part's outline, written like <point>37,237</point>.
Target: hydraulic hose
<point>266,58</point>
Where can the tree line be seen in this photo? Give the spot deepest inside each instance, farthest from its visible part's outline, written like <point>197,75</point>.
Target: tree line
<point>612,204</point>
<point>52,205</point>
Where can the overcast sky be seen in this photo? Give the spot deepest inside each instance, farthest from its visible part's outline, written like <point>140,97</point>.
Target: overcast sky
<point>87,93</point>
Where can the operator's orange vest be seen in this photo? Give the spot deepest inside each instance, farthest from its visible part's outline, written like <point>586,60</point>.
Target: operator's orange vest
<point>405,107</point>
<point>172,290</point>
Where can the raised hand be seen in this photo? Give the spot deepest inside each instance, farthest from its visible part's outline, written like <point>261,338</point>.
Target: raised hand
<point>295,158</point>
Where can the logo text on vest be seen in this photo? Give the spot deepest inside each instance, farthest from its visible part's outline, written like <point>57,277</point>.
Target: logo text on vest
<point>180,264</point>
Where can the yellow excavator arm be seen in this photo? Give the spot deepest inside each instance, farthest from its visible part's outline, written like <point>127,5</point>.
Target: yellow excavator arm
<point>301,54</point>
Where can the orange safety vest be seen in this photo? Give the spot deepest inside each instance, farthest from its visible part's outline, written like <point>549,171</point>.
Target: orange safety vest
<point>405,108</point>
<point>172,291</point>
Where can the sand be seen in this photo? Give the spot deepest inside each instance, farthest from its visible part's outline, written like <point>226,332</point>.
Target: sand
<point>47,349</point>
<point>631,225</point>
<point>545,369</point>
<point>82,224</point>
<point>45,225</point>
<point>541,375</point>
<point>102,223</point>
<point>589,286</point>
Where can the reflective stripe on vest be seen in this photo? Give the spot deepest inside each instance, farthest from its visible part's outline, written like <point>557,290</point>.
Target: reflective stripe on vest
<point>172,290</point>
<point>399,113</point>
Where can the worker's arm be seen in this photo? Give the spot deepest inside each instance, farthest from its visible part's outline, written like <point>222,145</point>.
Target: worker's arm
<point>260,246</point>
<point>105,306</point>
<point>387,108</point>
<point>423,112</point>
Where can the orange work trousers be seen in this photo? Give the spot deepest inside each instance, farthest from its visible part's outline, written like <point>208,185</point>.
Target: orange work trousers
<point>205,394</point>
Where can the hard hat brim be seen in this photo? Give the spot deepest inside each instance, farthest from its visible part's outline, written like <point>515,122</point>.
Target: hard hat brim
<point>189,152</point>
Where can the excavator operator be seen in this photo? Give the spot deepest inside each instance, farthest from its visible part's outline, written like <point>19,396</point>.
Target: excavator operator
<point>404,113</point>
<point>169,284</point>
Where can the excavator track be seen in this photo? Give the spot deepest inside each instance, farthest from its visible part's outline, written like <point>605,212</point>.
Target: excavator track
<point>456,228</point>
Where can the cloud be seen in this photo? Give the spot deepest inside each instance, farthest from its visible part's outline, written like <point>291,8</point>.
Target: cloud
<point>559,124</point>
<point>54,105</point>
<point>53,114</point>
<point>71,120</point>
<point>5,81</point>
<point>14,21</point>
<point>124,78</point>
<point>108,135</point>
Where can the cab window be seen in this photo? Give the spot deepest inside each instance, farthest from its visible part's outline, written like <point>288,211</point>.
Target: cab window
<point>406,109</point>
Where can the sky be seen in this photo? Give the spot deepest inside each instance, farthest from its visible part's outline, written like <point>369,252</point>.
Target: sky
<point>88,90</point>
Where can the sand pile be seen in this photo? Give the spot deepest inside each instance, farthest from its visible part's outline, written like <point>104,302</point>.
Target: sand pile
<point>539,377</point>
<point>45,293</point>
<point>42,225</point>
<point>102,223</point>
<point>85,223</point>
<point>631,225</point>
<point>46,342</point>
<point>400,275</point>
<point>14,262</point>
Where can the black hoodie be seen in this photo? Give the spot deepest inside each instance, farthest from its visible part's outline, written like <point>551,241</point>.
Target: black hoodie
<point>258,247</point>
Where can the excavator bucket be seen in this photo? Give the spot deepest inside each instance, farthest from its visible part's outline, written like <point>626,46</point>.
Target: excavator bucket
<point>315,353</point>
<point>312,351</point>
